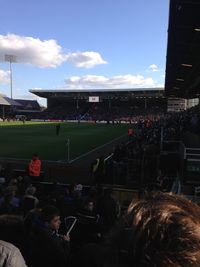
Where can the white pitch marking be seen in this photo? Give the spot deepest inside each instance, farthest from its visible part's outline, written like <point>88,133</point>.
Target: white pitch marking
<point>97,148</point>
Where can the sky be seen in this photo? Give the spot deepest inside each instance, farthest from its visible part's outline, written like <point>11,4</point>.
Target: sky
<point>82,44</point>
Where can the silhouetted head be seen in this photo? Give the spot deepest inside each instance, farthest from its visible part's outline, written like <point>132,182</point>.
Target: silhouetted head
<point>163,230</point>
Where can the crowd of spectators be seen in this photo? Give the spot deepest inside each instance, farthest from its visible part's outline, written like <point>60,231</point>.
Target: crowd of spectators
<point>140,159</point>
<point>32,218</point>
<point>160,229</point>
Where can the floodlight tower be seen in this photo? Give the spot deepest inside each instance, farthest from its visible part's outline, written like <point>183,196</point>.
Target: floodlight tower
<point>10,59</point>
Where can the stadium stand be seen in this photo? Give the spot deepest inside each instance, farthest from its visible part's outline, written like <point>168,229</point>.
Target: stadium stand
<point>106,104</point>
<point>28,105</point>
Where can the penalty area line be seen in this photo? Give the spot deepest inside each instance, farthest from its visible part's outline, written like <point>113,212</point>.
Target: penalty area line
<point>97,148</point>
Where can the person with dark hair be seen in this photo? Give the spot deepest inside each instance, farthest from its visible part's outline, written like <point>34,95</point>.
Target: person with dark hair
<point>49,249</point>
<point>49,213</point>
<point>108,208</point>
<point>163,230</point>
<point>88,229</point>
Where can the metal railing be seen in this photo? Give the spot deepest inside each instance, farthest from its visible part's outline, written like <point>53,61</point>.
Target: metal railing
<point>191,169</point>
<point>192,154</point>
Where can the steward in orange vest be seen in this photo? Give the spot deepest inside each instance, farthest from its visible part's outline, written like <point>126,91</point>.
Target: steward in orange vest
<point>34,168</point>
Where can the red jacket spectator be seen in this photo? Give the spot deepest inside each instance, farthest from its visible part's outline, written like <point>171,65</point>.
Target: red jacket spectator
<point>34,166</point>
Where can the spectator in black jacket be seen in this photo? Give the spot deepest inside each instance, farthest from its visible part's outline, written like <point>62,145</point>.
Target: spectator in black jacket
<point>108,209</point>
<point>49,249</point>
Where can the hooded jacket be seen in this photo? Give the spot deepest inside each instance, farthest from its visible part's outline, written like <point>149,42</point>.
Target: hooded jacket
<point>10,256</point>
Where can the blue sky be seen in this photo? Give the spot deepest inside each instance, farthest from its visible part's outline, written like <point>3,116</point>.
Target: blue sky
<point>78,44</point>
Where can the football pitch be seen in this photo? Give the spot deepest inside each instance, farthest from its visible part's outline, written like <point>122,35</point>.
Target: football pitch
<point>18,140</point>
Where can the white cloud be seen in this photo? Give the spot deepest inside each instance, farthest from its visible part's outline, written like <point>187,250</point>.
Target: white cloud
<point>44,53</point>
<point>85,59</point>
<point>153,68</point>
<point>120,81</point>
<point>4,77</point>
<point>32,51</point>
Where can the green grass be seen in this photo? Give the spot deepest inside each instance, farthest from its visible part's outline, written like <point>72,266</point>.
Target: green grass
<point>21,141</point>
